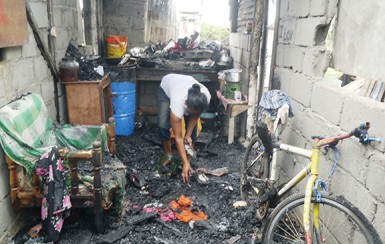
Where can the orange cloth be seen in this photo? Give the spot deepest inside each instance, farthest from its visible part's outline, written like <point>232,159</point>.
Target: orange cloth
<point>186,216</point>
<point>182,209</point>
<point>184,201</point>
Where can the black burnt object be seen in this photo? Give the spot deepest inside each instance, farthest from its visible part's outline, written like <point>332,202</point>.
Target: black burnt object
<point>87,64</point>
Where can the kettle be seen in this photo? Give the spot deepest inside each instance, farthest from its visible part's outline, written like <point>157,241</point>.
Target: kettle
<point>224,58</point>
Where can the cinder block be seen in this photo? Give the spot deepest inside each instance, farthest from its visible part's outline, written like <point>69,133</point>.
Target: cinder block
<point>62,39</point>
<point>246,41</point>
<point>8,213</point>
<point>283,76</point>
<point>287,31</point>
<point>375,177</point>
<point>308,123</point>
<point>12,53</point>
<point>51,109</point>
<point>138,24</point>
<point>306,28</point>
<point>5,79</point>
<point>354,158</point>
<point>284,9</point>
<point>293,58</point>
<point>344,184</point>
<point>32,88</point>
<point>237,56</point>
<point>69,18</point>
<point>300,87</point>
<point>316,61</point>
<point>358,110</point>
<point>332,8</point>
<point>22,73</point>
<point>41,68</point>
<point>57,16</point>
<point>379,220</point>
<point>299,8</point>
<point>30,49</point>
<point>39,10</point>
<point>245,60</point>
<point>280,55</point>
<point>318,7</point>
<point>47,90</point>
<point>232,39</point>
<point>237,40</point>
<point>328,100</point>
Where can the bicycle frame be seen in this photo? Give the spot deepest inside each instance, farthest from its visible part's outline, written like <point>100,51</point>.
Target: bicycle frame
<point>312,168</point>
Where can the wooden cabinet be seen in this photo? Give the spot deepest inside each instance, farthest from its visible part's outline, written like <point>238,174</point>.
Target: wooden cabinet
<point>89,102</point>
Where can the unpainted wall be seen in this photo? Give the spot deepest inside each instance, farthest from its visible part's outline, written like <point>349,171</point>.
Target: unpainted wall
<point>140,21</point>
<point>359,47</point>
<point>23,70</point>
<point>322,108</point>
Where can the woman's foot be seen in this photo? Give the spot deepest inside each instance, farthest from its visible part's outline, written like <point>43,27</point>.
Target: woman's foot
<point>166,159</point>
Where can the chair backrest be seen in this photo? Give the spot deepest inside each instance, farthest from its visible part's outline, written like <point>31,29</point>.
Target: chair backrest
<point>25,130</point>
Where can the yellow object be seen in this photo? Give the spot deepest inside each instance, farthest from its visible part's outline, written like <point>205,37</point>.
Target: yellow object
<point>199,128</point>
<point>116,46</point>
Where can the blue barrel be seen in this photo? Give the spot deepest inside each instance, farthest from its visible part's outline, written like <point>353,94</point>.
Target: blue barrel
<point>124,107</point>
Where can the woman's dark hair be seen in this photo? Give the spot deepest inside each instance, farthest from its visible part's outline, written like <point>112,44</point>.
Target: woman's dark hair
<point>196,100</point>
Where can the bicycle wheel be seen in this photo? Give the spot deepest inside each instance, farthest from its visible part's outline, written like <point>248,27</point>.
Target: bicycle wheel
<point>254,170</point>
<point>340,222</point>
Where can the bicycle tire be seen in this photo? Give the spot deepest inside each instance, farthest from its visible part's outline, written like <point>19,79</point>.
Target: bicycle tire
<point>283,226</point>
<point>258,171</point>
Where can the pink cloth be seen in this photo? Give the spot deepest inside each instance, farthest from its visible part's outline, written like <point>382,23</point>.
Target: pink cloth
<point>166,214</point>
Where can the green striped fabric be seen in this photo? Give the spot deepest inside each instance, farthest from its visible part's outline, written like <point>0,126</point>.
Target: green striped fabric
<point>26,132</point>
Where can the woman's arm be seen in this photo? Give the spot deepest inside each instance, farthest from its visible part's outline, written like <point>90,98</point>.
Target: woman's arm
<point>190,127</point>
<point>176,125</point>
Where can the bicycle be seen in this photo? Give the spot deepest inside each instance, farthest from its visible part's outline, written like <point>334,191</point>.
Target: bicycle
<point>325,218</point>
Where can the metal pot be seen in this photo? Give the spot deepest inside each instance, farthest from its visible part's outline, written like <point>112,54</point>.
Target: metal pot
<point>233,75</point>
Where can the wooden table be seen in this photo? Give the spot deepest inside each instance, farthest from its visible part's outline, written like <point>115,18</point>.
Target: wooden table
<point>233,109</point>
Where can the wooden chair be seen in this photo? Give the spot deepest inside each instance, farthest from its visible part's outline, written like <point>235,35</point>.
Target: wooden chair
<point>26,189</point>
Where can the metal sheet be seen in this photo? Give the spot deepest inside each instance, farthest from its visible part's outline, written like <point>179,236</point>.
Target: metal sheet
<point>13,23</point>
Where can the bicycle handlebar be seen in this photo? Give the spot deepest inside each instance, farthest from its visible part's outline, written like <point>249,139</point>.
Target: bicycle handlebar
<point>360,132</point>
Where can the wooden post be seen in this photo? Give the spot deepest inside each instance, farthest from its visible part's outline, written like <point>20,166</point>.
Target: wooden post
<point>74,176</point>
<point>13,181</point>
<point>98,208</point>
<point>111,136</point>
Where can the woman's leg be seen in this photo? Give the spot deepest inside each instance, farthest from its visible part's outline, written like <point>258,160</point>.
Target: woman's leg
<point>164,121</point>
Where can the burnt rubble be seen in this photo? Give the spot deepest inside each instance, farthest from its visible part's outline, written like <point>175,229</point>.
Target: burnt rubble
<point>140,153</point>
<point>185,53</point>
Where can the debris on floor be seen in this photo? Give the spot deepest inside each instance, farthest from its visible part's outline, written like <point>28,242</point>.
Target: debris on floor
<point>147,217</point>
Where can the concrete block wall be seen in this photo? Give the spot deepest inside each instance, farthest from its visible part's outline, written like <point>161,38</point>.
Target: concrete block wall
<point>240,51</point>
<point>245,14</point>
<point>140,21</point>
<point>322,108</point>
<point>125,18</point>
<point>22,70</point>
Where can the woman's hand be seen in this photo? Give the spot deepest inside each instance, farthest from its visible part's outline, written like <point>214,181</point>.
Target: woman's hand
<point>189,141</point>
<point>186,172</point>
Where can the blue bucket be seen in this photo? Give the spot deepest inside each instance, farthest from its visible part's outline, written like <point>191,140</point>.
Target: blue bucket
<point>124,107</point>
